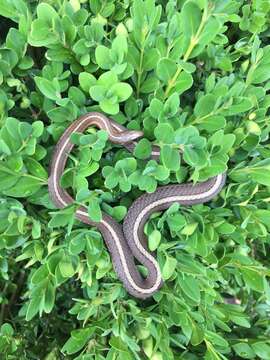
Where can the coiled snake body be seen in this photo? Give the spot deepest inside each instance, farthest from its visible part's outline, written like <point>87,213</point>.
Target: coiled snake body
<point>128,241</point>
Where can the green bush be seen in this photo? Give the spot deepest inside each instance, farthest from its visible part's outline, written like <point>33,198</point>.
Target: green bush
<point>194,76</point>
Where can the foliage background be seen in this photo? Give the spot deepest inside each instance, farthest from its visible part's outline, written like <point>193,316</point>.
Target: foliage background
<point>193,75</point>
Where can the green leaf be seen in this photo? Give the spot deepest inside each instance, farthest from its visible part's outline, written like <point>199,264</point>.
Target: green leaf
<point>258,172</point>
<point>188,67</point>
<point>7,180</point>
<point>260,72</point>
<point>143,149</point>
<point>48,88</point>
<point>6,330</point>
<point>154,240</point>
<point>166,68</point>
<point>190,19</point>
<point>94,210</point>
<point>122,91</point>
<point>205,105</point>
<point>38,128</point>
<point>77,96</point>
<point>212,123</point>
<point>197,334</point>
<point>24,187</point>
<point>189,285</point>
<point>161,173</point>
<point>98,92</point>
<point>49,297</point>
<point>244,351</point>
<point>77,244</point>
<point>169,267</point>
<point>261,349</point>
<point>35,168</point>
<point>170,157</point>
<point>86,81</point>
<point>156,108</point>
<point>61,218</point>
<point>108,107</point>
<point>102,54</point>
<point>66,267</point>
<point>149,85</point>
<point>164,133</point>
<point>253,278</point>
<point>150,59</point>
<point>119,49</point>
<point>7,9</point>
<point>33,307</point>
<point>263,216</point>
<point>128,165</point>
<point>40,36</point>
<point>216,339</point>
<point>240,105</point>
<point>4,149</point>
<point>111,180</point>
<point>108,79</point>
<point>210,32</point>
<point>176,221</point>
<point>119,212</point>
<point>172,104</point>
<point>25,130</point>
<point>118,344</point>
<point>184,82</point>
<point>16,41</point>
<point>46,12</point>
<point>78,340</point>
<point>194,157</point>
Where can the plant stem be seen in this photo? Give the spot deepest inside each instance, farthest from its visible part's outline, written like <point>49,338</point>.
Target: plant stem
<point>140,72</point>
<point>144,42</point>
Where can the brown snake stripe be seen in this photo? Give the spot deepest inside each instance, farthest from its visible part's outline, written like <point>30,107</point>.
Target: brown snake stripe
<point>127,242</point>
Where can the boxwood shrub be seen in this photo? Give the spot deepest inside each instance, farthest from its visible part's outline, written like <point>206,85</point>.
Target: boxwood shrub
<point>194,76</point>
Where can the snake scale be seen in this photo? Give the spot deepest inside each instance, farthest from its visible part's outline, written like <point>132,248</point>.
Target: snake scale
<point>128,242</point>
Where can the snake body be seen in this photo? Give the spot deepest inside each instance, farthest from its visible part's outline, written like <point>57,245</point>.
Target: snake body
<point>128,242</point>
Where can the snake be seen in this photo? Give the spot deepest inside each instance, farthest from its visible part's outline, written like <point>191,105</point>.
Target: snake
<point>127,242</point>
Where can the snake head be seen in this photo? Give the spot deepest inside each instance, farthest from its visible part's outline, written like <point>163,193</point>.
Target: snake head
<point>128,136</point>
